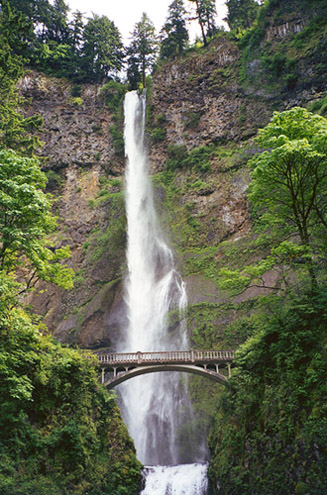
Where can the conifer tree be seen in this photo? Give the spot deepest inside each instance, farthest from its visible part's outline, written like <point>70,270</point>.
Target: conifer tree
<point>142,51</point>
<point>58,26</point>
<point>241,13</point>
<point>14,30</point>
<point>206,14</point>
<point>103,51</point>
<point>174,32</point>
<point>76,27</point>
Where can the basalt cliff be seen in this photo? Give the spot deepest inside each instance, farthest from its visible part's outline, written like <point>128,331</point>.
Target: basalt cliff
<point>203,113</point>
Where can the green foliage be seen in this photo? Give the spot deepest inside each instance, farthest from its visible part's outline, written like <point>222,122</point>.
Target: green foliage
<point>60,432</point>
<point>76,90</point>
<point>279,65</point>
<point>192,120</point>
<point>158,134</point>
<point>319,106</point>
<point>174,35</point>
<point>114,235</point>
<point>142,52</point>
<point>241,13</point>
<point>102,52</point>
<point>206,15</point>
<point>78,101</point>
<point>270,432</point>
<point>288,196</point>
<point>25,219</point>
<point>117,139</point>
<point>283,60</point>
<point>295,167</point>
<point>198,158</point>
<point>114,93</point>
<point>177,154</point>
<point>66,47</point>
<point>14,127</point>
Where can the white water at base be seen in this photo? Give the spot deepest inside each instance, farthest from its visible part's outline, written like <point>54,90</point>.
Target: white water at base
<point>185,479</point>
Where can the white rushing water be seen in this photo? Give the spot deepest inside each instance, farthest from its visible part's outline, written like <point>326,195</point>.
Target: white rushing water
<point>150,403</point>
<point>155,407</point>
<point>185,479</point>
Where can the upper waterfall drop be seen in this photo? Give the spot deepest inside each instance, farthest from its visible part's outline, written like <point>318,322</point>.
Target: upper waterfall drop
<point>153,286</point>
<point>155,407</point>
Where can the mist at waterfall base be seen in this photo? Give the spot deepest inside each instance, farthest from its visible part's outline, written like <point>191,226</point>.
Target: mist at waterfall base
<point>155,407</point>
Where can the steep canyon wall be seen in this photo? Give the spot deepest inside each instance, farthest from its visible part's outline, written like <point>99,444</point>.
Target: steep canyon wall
<point>203,109</point>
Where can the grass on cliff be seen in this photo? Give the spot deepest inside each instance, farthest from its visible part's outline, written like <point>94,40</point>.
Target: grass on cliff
<point>282,61</point>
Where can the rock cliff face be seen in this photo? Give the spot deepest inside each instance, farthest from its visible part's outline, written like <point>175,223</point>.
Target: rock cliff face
<point>78,152</point>
<point>210,102</point>
<point>76,128</point>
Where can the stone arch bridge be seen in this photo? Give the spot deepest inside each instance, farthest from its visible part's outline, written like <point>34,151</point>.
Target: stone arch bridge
<point>119,367</point>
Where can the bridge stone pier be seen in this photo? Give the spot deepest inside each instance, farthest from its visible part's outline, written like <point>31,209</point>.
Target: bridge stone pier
<point>119,367</point>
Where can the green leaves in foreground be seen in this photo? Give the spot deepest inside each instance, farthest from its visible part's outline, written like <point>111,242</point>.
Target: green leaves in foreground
<point>60,432</point>
<point>288,195</point>
<point>270,433</point>
<point>25,220</point>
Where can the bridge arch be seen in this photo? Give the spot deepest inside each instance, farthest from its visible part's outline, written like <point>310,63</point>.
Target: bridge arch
<point>183,368</point>
<point>116,368</point>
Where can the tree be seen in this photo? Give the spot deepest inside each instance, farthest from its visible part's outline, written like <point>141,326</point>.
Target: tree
<point>76,27</point>
<point>288,193</point>
<point>174,32</point>
<point>14,127</point>
<point>205,14</point>
<point>58,26</point>
<point>289,182</point>
<point>241,13</point>
<point>25,220</point>
<point>141,54</point>
<point>102,51</point>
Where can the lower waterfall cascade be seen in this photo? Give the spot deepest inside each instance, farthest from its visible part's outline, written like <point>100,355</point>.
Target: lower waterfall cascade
<point>155,407</point>
<point>183,479</point>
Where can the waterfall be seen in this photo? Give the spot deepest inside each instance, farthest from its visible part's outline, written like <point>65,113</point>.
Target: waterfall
<point>155,407</point>
<point>186,479</point>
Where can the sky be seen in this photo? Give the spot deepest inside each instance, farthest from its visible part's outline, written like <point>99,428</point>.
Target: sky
<point>125,13</point>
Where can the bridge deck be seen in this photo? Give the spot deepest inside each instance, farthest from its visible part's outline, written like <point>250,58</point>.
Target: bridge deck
<point>165,357</point>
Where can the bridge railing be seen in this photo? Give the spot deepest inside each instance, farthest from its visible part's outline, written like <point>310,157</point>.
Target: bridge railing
<point>165,357</point>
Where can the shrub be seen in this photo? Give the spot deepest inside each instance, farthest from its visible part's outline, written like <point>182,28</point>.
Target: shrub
<point>118,140</point>
<point>193,119</point>
<point>177,154</point>
<point>76,90</point>
<point>78,101</point>
<point>158,134</point>
<point>113,93</point>
<point>198,158</point>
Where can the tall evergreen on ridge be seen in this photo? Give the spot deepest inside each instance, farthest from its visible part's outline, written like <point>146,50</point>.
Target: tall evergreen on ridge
<point>241,13</point>
<point>58,25</point>
<point>174,34</point>
<point>142,52</point>
<point>205,15</point>
<point>102,50</point>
